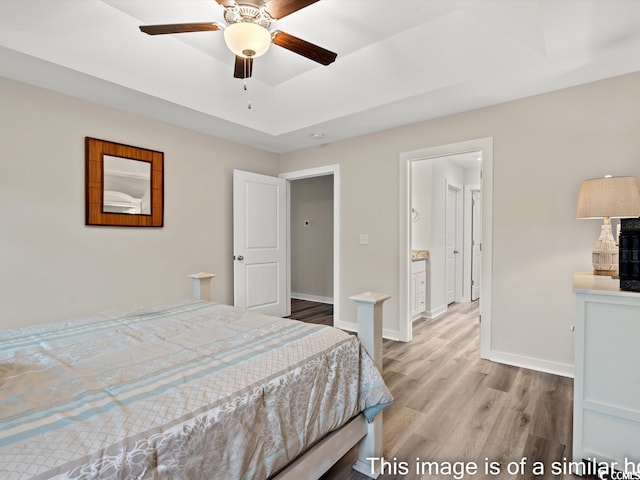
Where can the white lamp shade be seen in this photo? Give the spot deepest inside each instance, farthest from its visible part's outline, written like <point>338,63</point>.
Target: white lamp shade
<point>609,197</point>
<point>247,39</point>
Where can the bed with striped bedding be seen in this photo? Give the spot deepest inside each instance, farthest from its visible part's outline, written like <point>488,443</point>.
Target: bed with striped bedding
<point>190,390</point>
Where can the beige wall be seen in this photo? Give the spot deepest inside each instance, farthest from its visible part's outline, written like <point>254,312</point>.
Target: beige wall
<point>543,147</point>
<point>54,267</point>
<point>421,201</point>
<point>312,244</point>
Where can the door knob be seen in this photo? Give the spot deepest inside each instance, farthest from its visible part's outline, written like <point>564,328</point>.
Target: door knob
<point>456,251</point>
<point>240,257</point>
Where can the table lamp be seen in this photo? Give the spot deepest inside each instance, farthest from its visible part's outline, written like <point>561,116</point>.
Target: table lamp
<point>606,198</point>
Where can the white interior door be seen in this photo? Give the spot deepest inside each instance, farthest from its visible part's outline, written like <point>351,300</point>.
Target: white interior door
<point>476,244</point>
<point>260,243</point>
<point>451,244</point>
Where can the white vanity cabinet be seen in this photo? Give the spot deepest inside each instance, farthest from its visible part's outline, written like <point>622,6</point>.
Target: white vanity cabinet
<point>606,416</point>
<point>418,287</point>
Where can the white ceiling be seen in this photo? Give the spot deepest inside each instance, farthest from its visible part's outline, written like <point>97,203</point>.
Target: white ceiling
<point>399,62</point>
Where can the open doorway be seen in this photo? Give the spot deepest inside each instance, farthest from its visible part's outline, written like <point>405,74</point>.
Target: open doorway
<point>441,192</point>
<point>311,241</point>
<point>330,174</point>
<point>463,271</point>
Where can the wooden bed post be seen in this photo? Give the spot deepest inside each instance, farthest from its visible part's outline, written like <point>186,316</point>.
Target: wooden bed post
<point>370,335</point>
<point>202,285</point>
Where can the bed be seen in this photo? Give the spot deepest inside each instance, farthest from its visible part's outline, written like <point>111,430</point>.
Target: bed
<point>187,390</point>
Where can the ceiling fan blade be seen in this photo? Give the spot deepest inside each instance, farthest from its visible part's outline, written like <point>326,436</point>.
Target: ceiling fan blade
<point>179,28</point>
<point>281,8</point>
<point>226,3</point>
<point>304,48</point>
<point>243,67</point>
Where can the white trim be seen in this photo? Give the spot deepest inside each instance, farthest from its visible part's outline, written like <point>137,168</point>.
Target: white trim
<point>312,298</point>
<point>436,312</point>
<point>485,145</point>
<point>531,363</point>
<point>405,325</point>
<point>319,172</point>
<point>288,313</point>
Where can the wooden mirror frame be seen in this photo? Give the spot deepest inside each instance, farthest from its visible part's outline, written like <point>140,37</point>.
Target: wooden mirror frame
<point>95,150</point>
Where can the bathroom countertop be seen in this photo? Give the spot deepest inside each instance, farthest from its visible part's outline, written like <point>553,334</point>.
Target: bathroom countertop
<point>417,255</point>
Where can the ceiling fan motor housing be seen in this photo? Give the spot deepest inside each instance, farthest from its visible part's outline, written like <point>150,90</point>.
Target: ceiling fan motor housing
<point>248,11</point>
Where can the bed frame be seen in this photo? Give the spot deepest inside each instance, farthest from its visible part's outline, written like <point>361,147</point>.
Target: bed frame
<point>367,436</point>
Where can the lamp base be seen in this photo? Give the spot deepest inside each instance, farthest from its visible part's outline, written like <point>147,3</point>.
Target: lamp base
<point>605,253</point>
<point>606,273</point>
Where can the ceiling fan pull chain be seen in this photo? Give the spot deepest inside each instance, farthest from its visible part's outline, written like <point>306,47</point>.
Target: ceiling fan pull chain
<point>247,79</point>
<point>246,68</point>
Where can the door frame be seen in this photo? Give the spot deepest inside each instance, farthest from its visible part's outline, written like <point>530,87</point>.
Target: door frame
<point>309,173</point>
<point>468,240</point>
<point>485,145</point>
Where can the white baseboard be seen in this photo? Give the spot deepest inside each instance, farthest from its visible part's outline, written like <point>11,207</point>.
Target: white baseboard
<point>435,312</point>
<point>312,298</point>
<point>347,326</point>
<point>522,361</point>
<point>391,335</point>
<point>546,366</point>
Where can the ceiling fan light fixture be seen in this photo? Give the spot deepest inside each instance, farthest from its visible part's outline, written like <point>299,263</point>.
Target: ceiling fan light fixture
<point>247,39</point>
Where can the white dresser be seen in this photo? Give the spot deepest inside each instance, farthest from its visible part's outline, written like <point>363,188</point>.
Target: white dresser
<point>606,409</point>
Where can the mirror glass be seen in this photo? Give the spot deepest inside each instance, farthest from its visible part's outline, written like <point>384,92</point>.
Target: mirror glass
<point>127,186</point>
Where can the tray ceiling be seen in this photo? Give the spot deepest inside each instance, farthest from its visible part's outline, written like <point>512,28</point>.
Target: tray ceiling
<point>399,62</point>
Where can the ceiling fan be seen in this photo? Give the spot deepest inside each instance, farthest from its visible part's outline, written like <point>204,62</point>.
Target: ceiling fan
<point>247,31</point>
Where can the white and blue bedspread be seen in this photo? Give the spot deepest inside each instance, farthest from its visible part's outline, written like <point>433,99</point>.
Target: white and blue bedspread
<point>191,390</point>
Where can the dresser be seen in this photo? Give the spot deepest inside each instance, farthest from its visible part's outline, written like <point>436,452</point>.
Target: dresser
<point>606,409</point>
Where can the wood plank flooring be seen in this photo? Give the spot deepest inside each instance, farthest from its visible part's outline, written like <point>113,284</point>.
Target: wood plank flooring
<point>312,312</point>
<point>451,406</point>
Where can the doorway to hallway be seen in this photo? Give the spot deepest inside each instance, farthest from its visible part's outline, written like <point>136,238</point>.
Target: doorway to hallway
<point>406,232</point>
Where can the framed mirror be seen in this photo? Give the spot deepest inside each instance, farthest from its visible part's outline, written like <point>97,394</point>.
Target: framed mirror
<point>124,185</point>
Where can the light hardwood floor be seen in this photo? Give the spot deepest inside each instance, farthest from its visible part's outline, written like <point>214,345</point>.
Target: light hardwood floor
<point>452,406</point>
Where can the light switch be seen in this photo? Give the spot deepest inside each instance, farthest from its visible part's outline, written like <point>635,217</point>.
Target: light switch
<point>364,239</point>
